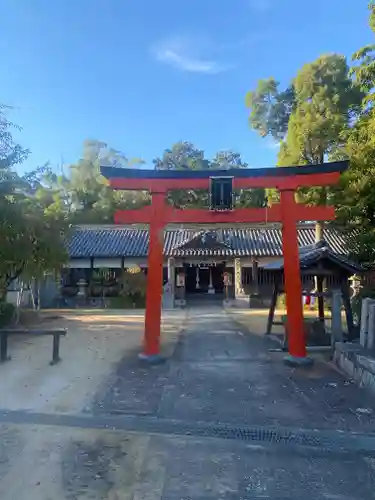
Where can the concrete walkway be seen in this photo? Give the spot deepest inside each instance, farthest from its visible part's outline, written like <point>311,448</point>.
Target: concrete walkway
<point>223,419</point>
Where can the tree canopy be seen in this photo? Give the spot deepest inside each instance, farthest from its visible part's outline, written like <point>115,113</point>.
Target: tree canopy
<point>30,234</point>
<point>184,155</point>
<point>38,208</point>
<point>325,113</point>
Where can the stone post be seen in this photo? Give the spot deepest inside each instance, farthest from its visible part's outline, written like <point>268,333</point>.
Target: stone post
<point>172,274</point>
<point>364,328</point>
<point>336,316</point>
<point>197,286</point>
<point>371,326</point>
<point>169,289</point>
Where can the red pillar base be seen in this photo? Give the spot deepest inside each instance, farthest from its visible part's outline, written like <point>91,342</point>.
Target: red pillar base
<point>298,361</point>
<point>153,359</point>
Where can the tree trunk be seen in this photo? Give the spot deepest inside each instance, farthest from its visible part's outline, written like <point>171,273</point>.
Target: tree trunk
<point>32,292</point>
<point>20,295</point>
<point>38,293</point>
<point>19,302</point>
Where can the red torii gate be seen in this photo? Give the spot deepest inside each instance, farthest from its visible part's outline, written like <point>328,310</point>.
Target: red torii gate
<point>285,179</point>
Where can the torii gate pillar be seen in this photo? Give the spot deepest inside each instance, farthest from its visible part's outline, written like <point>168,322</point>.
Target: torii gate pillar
<point>286,179</point>
<point>292,278</point>
<point>154,295</point>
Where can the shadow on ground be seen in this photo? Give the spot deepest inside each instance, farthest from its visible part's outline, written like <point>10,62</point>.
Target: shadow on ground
<point>143,434</point>
<point>220,372</point>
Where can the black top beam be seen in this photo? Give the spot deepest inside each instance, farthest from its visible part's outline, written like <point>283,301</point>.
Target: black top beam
<point>133,173</point>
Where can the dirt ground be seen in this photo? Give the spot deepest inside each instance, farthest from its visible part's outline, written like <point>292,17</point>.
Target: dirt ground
<point>222,419</point>
<point>95,343</point>
<point>257,318</point>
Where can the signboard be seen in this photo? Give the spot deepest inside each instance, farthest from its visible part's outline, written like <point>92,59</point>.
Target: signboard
<point>199,263</point>
<point>180,280</point>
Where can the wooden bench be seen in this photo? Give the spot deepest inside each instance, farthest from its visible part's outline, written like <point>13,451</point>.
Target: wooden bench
<point>56,333</point>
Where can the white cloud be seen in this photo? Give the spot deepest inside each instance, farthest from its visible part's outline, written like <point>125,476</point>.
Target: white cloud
<point>186,54</point>
<point>186,63</point>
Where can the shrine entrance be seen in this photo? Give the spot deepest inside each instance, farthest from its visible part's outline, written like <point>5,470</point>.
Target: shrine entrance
<point>203,279</point>
<point>222,185</point>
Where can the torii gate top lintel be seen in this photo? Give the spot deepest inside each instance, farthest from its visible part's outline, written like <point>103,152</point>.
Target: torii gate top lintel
<point>278,177</point>
<point>286,179</point>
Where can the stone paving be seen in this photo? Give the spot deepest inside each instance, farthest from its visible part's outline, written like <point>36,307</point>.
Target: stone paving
<point>207,425</point>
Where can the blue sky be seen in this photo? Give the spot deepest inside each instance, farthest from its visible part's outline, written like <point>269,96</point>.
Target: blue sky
<point>143,74</point>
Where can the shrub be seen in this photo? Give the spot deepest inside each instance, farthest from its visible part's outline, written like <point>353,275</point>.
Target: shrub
<point>7,312</point>
<point>134,285</point>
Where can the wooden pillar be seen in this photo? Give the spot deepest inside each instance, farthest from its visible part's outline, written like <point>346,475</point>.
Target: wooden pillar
<point>172,279</point>
<point>151,348</point>
<point>319,288</point>
<point>255,276</point>
<point>292,276</point>
<point>271,313</point>
<point>211,288</point>
<point>197,277</point>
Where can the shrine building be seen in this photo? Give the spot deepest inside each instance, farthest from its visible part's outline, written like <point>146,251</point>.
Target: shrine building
<point>197,263</point>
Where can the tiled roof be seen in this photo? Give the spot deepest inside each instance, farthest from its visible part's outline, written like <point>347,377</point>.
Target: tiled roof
<point>202,243</point>
<point>311,254</point>
<point>116,241</point>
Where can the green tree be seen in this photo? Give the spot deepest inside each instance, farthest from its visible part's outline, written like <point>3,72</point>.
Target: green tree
<point>312,117</point>
<point>326,102</point>
<point>245,198</point>
<point>12,226</point>
<point>184,155</point>
<point>363,70</point>
<point>270,108</point>
<point>224,160</point>
<point>31,239</point>
<point>355,195</point>
<point>91,199</point>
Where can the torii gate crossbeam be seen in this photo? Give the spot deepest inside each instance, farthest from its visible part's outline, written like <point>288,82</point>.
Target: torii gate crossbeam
<point>286,179</point>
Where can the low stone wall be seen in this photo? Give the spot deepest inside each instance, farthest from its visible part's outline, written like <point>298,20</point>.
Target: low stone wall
<point>357,363</point>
